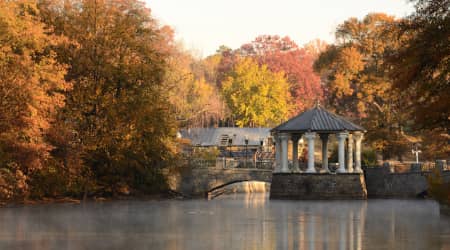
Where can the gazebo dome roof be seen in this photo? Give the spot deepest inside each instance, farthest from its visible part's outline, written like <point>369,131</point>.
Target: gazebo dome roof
<point>318,120</point>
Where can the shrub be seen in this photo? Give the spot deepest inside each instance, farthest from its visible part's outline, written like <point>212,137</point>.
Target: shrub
<point>369,157</point>
<point>12,184</point>
<point>437,188</point>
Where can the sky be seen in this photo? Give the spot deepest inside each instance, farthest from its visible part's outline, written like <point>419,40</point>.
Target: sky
<point>203,25</point>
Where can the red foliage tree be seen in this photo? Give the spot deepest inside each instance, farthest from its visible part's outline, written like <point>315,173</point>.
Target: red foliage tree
<point>281,54</point>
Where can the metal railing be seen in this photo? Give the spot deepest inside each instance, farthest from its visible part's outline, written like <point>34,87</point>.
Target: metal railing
<point>427,166</point>
<point>229,163</point>
<point>201,163</point>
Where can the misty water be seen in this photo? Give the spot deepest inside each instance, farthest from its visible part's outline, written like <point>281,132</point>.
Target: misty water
<point>239,221</point>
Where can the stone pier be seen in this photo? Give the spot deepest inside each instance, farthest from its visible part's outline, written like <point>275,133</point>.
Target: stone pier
<point>318,186</point>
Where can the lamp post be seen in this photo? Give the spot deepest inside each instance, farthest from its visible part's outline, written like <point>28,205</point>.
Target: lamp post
<point>230,142</point>
<point>415,150</point>
<point>246,145</point>
<point>277,153</point>
<point>261,151</point>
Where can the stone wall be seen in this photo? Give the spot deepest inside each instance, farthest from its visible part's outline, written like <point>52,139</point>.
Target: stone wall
<point>382,183</point>
<point>197,182</point>
<point>378,183</point>
<point>444,209</point>
<point>318,186</point>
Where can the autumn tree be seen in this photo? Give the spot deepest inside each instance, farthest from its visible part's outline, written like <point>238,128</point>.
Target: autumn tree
<point>358,84</point>
<point>281,54</point>
<point>31,93</point>
<point>421,65</point>
<point>228,58</point>
<point>315,47</point>
<point>193,90</point>
<point>256,96</point>
<point>118,108</point>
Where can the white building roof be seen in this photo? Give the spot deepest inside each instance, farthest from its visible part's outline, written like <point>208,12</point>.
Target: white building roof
<point>219,136</point>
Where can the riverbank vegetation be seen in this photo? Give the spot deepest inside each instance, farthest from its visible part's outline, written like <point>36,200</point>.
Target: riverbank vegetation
<point>438,188</point>
<point>92,93</point>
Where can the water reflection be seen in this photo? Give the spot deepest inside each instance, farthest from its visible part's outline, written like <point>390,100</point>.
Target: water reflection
<point>239,221</point>
<point>330,225</point>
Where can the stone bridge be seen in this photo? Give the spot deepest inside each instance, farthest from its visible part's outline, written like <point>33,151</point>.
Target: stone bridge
<point>198,182</point>
<point>380,182</point>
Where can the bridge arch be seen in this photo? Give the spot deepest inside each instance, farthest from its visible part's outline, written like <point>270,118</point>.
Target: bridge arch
<point>221,189</point>
<point>198,182</point>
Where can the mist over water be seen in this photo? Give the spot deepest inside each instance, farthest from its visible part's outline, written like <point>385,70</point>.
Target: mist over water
<point>238,221</point>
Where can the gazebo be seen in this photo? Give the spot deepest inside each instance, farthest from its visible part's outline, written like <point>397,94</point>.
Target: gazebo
<point>321,122</point>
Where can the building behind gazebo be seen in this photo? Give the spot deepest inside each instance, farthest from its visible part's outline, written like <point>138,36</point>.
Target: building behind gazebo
<point>347,182</point>
<point>239,147</point>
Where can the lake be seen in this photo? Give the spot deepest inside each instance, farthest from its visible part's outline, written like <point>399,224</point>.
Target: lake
<point>238,221</point>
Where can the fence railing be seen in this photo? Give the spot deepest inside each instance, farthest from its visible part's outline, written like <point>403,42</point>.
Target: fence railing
<point>229,163</point>
<point>427,166</point>
<point>404,167</point>
<point>201,163</point>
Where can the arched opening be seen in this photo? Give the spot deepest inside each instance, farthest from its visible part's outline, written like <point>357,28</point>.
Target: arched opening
<point>239,186</point>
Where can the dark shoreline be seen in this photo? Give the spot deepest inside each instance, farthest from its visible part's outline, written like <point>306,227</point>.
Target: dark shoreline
<point>70,200</point>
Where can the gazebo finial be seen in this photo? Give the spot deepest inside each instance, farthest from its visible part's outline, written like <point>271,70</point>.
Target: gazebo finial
<point>317,103</point>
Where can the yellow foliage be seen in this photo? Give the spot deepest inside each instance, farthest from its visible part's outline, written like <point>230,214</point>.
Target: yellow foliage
<point>255,95</point>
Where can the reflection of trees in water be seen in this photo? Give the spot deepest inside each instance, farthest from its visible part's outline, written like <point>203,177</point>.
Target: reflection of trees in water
<point>238,221</point>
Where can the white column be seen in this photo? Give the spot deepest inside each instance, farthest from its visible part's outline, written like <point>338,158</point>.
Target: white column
<point>277,154</point>
<point>341,139</point>
<point>324,138</point>
<point>284,152</point>
<point>310,137</point>
<point>350,154</point>
<point>295,139</point>
<point>358,138</point>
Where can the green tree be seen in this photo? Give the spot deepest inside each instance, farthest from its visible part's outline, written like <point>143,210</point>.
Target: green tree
<point>255,95</point>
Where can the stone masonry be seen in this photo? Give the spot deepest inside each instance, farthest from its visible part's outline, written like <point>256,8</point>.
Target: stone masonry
<point>197,182</point>
<point>318,186</point>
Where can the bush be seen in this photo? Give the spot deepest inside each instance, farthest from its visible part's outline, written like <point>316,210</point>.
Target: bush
<point>438,189</point>
<point>369,157</point>
<point>13,183</point>
<point>48,182</point>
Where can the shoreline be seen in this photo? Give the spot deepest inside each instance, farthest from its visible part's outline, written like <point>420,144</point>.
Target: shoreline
<point>70,200</point>
<point>444,209</point>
